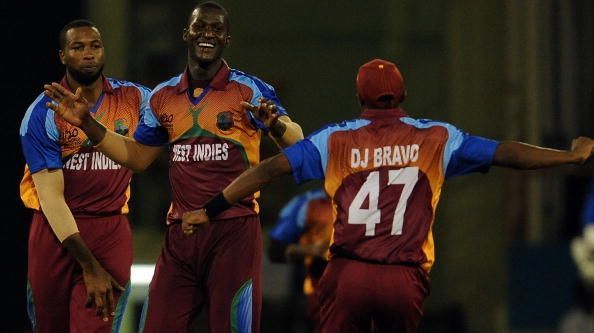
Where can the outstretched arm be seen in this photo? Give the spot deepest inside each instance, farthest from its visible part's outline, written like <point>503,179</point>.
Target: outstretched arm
<point>518,155</point>
<point>74,108</point>
<point>250,181</point>
<point>99,284</point>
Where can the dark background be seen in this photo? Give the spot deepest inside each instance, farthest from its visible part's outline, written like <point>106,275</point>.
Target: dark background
<point>521,70</point>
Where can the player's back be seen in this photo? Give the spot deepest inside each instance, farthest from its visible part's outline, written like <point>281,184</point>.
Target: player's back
<point>385,178</point>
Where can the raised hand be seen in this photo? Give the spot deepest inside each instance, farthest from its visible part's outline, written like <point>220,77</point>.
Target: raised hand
<point>100,288</point>
<point>583,147</point>
<point>192,220</point>
<point>74,108</point>
<point>264,115</point>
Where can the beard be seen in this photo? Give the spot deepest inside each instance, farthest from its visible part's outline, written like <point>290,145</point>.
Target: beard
<point>85,78</point>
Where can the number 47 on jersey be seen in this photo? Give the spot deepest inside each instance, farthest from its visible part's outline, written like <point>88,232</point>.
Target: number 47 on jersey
<point>371,188</point>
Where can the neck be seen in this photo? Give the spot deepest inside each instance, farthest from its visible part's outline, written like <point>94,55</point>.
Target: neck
<point>91,92</point>
<point>202,73</point>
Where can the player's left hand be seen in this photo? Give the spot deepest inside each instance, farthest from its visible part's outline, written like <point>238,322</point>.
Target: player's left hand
<point>583,147</point>
<point>192,220</point>
<point>262,116</point>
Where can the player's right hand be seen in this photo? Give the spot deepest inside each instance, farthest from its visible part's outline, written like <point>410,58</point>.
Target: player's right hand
<point>192,219</point>
<point>583,147</point>
<point>100,288</point>
<point>74,108</point>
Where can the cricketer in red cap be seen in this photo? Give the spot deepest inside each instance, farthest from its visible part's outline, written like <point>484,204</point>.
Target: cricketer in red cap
<point>380,84</point>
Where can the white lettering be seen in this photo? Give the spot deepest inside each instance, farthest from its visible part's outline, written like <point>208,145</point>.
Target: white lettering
<point>385,156</point>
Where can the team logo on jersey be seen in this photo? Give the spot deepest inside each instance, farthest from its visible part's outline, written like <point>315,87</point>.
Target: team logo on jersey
<point>225,120</point>
<point>120,127</point>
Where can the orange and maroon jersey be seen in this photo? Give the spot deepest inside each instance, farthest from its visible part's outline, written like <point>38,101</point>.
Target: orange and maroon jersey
<point>211,138</point>
<point>384,173</point>
<point>94,185</point>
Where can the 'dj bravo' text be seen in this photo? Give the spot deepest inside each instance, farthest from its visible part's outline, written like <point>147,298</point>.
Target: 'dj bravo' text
<point>384,156</point>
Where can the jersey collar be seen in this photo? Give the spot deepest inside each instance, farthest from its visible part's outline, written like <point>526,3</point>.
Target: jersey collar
<point>218,82</point>
<point>372,114</point>
<point>107,88</point>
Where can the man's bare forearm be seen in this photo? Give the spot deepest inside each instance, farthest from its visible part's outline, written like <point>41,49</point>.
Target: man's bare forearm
<point>254,179</point>
<point>518,155</point>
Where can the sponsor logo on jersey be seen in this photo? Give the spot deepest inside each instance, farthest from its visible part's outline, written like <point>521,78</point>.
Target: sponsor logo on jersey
<point>69,137</point>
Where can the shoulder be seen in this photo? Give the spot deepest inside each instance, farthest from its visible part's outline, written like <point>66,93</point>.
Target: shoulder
<point>427,123</point>
<point>166,86</point>
<point>346,125</point>
<point>37,113</point>
<point>250,80</point>
<point>129,89</point>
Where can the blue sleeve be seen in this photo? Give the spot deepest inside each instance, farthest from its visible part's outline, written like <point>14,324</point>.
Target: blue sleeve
<point>149,131</point>
<point>305,161</point>
<point>40,137</point>
<point>259,89</point>
<point>309,157</point>
<point>291,221</point>
<point>474,154</point>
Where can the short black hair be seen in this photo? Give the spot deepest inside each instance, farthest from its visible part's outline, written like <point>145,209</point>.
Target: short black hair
<point>72,24</point>
<point>215,5</point>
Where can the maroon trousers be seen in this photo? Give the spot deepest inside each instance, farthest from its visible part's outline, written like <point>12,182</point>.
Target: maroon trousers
<point>218,266</point>
<point>56,292</point>
<point>356,296</point>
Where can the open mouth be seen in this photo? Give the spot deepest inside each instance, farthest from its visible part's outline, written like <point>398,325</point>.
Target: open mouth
<point>206,45</point>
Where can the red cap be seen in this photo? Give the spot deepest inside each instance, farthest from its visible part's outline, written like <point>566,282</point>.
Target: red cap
<point>379,78</point>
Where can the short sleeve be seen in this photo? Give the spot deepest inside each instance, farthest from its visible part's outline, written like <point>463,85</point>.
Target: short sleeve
<point>305,161</point>
<point>474,154</point>
<point>149,131</point>
<point>39,137</point>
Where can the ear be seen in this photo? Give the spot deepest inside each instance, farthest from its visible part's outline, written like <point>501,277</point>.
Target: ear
<point>185,35</point>
<point>228,40</point>
<point>62,57</point>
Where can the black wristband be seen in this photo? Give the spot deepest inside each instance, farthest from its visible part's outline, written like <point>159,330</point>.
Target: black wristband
<point>216,205</point>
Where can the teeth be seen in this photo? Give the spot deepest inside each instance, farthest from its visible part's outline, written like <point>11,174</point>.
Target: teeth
<point>206,45</point>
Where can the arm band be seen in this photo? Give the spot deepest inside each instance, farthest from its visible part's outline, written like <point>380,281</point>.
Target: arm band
<point>216,205</point>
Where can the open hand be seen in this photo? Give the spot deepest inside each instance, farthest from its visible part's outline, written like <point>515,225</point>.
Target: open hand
<point>74,108</point>
<point>192,220</point>
<point>100,289</point>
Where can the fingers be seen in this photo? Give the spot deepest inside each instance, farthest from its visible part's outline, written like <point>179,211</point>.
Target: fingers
<point>111,304</point>
<point>117,286</point>
<point>192,220</point>
<point>100,305</point>
<point>53,93</point>
<point>248,106</point>
<point>78,92</point>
